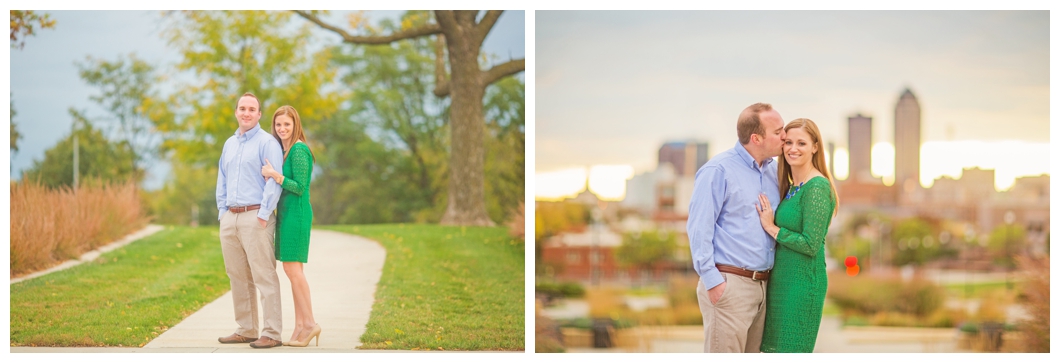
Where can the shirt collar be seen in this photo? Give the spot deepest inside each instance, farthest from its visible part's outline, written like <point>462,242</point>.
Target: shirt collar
<point>250,133</point>
<point>748,159</point>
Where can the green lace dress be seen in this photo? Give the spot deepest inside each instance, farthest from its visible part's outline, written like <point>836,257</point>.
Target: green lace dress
<point>797,285</point>
<point>294,215</point>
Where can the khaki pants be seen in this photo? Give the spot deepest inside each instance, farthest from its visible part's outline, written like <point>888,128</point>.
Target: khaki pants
<point>250,262</point>
<point>735,323</point>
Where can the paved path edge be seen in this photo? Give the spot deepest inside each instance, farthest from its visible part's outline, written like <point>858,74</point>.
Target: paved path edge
<point>92,255</point>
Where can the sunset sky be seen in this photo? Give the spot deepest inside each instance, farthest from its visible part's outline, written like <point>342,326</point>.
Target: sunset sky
<point>613,86</point>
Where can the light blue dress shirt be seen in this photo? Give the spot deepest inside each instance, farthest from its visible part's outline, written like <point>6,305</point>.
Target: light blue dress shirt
<point>723,225</point>
<point>239,180</point>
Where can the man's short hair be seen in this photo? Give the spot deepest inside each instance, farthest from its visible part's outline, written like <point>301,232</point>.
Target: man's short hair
<point>251,95</point>
<point>749,122</point>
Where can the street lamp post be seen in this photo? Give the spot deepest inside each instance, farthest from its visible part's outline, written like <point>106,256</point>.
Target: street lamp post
<point>875,242</point>
<point>77,148</point>
<point>594,273</point>
<point>969,239</point>
<point>1009,218</point>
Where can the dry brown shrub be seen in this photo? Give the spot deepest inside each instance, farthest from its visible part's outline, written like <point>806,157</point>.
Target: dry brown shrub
<point>547,336</point>
<point>49,226</point>
<point>1036,290</point>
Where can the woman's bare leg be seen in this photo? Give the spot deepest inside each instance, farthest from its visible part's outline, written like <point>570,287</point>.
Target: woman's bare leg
<point>294,274</point>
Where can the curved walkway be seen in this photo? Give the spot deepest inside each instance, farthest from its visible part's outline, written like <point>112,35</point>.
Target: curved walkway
<point>343,271</point>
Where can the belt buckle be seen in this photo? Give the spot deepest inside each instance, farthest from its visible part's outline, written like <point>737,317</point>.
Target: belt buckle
<point>754,276</point>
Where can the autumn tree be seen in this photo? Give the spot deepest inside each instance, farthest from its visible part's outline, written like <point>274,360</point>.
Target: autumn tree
<point>228,53</point>
<point>1006,242</point>
<point>914,243</point>
<point>391,97</point>
<point>505,148</point>
<point>99,158</point>
<point>387,156</point>
<point>14,132</point>
<point>22,23</point>
<point>126,90</point>
<point>461,34</point>
<point>645,249</point>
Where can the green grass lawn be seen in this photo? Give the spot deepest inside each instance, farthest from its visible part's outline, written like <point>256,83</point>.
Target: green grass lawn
<point>446,288</point>
<point>125,297</point>
<point>978,290</point>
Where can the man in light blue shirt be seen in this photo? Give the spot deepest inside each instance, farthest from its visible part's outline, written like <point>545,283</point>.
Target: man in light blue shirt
<point>731,251</point>
<point>245,202</point>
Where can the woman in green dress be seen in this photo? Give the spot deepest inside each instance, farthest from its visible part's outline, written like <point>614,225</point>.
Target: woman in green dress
<point>294,218</point>
<point>797,285</point>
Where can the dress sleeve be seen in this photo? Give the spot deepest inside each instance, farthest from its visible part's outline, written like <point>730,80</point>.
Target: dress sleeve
<point>817,207</point>
<point>301,164</point>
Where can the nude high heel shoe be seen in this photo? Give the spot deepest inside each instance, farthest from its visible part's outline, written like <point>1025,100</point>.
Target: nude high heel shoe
<point>315,333</point>
<point>288,343</point>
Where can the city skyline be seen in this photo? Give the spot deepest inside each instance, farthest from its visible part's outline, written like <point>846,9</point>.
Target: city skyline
<point>975,75</point>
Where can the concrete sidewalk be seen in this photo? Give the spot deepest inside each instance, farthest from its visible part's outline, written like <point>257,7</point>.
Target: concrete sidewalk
<point>343,271</point>
<point>832,338</point>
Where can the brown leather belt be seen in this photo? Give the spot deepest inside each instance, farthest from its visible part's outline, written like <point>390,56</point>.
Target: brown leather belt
<point>754,275</point>
<point>244,209</point>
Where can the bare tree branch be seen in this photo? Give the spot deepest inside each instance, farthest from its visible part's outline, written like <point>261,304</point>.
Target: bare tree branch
<point>483,28</point>
<point>503,70</point>
<point>385,39</point>
<point>441,82</point>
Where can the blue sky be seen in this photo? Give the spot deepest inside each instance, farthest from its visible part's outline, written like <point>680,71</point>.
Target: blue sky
<point>45,83</point>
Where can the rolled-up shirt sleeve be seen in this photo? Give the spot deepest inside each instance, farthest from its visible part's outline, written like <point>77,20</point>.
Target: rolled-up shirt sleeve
<point>708,196</point>
<point>271,195</point>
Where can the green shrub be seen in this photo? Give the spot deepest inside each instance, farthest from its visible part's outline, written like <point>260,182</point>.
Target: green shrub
<point>945,318</point>
<point>871,295</point>
<point>969,327</point>
<point>566,289</point>
<point>580,323</point>
<point>586,323</point>
<point>571,289</point>
<point>890,318</point>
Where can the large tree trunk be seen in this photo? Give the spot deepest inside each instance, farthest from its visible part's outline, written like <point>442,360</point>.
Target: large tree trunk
<point>467,85</point>
<point>467,192</point>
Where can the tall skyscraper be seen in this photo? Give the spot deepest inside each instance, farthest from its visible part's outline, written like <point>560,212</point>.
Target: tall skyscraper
<point>906,142</point>
<point>859,139</point>
<point>686,157</point>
